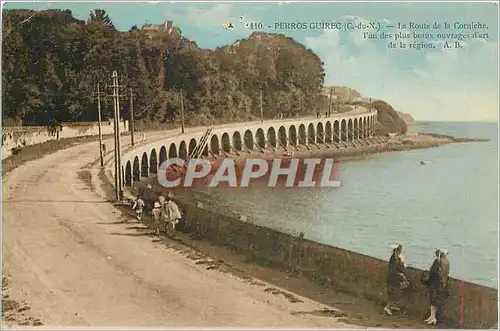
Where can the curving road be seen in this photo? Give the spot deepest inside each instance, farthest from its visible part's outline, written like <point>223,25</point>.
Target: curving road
<point>69,257</point>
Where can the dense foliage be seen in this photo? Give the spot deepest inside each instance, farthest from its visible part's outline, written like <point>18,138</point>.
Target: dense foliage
<point>52,63</point>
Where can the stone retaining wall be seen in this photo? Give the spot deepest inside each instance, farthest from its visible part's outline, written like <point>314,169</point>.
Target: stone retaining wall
<point>344,270</point>
<point>20,136</point>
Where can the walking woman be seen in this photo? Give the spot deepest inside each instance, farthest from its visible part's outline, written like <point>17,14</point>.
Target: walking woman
<point>396,279</point>
<point>438,284</point>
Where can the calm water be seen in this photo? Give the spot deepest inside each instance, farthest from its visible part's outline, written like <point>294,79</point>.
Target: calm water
<point>391,198</point>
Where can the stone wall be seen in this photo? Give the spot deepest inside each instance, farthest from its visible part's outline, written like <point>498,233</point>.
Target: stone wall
<point>20,136</point>
<point>347,271</point>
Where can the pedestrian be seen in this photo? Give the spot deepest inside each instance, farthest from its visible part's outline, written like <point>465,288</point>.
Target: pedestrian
<point>156,215</point>
<point>138,207</point>
<point>103,149</point>
<point>161,200</point>
<point>437,283</point>
<point>172,215</point>
<point>396,279</point>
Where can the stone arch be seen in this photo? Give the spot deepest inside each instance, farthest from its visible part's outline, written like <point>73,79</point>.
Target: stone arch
<point>302,134</point>
<point>214,145</point>
<point>328,132</point>
<point>292,134</point>
<point>172,151</point>
<point>123,175</point>
<point>205,151</point>
<point>163,154</point>
<point>343,130</point>
<point>349,130</point>
<point>237,142</point>
<point>128,174</point>
<point>282,137</point>
<point>311,135</point>
<point>144,165</point>
<point>260,138</point>
<point>356,129</point>
<point>226,143</point>
<point>320,137</point>
<point>153,162</point>
<point>183,154</point>
<point>192,146</point>
<point>362,127</point>
<point>336,131</point>
<point>248,139</point>
<point>137,170</point>
<point>271,137</point>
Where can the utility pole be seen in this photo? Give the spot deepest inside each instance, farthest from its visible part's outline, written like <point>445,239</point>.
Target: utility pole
<point>261,107</point>
<point>118,135</point>
<point>98,97</point>
<point>115,131</point>
<point>182,112</point>
<point>132,117</point>
<point>330,103</point>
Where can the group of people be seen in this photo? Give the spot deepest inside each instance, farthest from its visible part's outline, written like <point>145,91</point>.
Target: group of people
<point>436,280</point>
<point>318,114</point>
<point>165,213</point>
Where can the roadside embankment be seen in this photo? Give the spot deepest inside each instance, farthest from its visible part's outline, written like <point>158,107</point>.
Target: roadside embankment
<point>346,271</point>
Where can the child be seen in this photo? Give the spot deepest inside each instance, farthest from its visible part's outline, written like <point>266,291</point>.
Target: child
<point>138,207</point>
<point>156,213</point>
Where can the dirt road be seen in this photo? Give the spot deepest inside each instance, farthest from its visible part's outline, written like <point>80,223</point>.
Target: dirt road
<point>69,255</point>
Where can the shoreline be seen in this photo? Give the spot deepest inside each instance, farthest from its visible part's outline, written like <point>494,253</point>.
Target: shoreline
<point>412,141</point>
<point>342,151</point>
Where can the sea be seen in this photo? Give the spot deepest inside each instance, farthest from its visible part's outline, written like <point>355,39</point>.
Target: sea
<point>390,198</point>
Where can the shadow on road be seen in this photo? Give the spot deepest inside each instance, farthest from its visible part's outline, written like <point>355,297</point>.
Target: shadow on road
<point>116,223</point>
<point>62,201</point>
<point>145,234</point>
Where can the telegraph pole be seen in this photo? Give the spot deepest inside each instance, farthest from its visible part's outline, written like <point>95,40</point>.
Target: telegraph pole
<point>182,112</point>
<point>115,124</point>
<point>101,150</point>
<point>132,117</point>
<point>261,108</point>
<point>118,135</point>
<point>330,103</point>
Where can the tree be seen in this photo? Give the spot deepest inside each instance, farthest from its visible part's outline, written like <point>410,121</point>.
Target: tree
<point>52,66</point>
<point>100,17</point>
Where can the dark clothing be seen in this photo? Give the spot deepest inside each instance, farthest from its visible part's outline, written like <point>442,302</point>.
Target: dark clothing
<point>438,281</point>
<point>395,276</point>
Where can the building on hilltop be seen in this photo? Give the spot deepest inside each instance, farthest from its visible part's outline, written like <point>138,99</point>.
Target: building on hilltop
<point>167,27</point>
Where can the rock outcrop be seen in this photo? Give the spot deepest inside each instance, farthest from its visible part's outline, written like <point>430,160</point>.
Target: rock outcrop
<point>406,117</point>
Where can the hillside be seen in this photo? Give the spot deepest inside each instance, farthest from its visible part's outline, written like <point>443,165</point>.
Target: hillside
<point>52,65</point>
<point>53,62</point>
<point>388,119</point>
<point>407,118</point>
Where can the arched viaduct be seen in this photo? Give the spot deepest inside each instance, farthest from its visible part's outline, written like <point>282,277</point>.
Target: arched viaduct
<point>243,137</point>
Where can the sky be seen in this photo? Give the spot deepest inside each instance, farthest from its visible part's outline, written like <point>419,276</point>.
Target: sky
<point>439,84</point>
